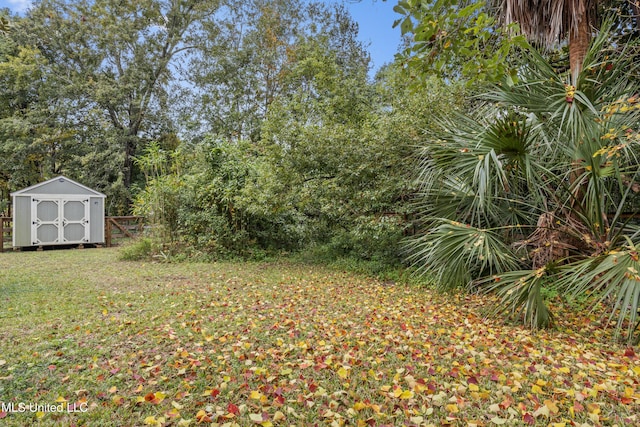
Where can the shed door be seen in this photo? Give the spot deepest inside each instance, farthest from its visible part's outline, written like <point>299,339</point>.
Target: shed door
<point>59,221</point>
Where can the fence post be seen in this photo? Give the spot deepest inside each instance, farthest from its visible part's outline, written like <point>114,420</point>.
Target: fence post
<point>3,221</point>
<point>107,229</point>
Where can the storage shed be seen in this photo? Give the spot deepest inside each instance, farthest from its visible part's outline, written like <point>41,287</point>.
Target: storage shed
<point>59,211</point>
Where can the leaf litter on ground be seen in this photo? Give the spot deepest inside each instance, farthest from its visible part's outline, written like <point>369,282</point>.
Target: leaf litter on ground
<point>271,344</point>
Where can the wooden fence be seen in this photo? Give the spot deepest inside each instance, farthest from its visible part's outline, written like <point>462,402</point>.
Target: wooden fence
<point>120,227</point>
<point>5,233</point>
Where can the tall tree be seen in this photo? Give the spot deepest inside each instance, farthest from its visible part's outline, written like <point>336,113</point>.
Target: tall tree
<point>118,58</point>
<point>36,139</point>
<point>248,58</point>
<point>550,21</point>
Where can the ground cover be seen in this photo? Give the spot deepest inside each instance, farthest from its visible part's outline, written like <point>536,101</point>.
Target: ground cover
<point>133,344</point>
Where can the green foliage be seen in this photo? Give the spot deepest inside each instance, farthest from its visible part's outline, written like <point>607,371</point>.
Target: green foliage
<point>159,200</point>
<point>540,176</point>
<point>139,250</point>
<point>5,25</point>
<point>110,66</point>
<point>613,280</point>
<point>456,39</point>
<point>215,214</point>
<point>523,293</point>
<point>457,253</point>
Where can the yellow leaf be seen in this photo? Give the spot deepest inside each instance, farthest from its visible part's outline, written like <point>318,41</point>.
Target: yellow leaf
<point>113,389</point>
<point>266,424</point>
<point>536,389</point>
<point>628,392</point>
<point>452,408</point>
<point>553,408</point>
<point>176,405</point>
<point>593,408</point>
<point>201,415</point>
<point>343,373</point>
<point>39,414</point>
<point>541,383</point>
<point>159,396</point>
<point>359,406</point>
<point>407,394</point>
<point>255,395</point>
<point>278,416</point>
<point>151,421</point>
<point>473,387</point>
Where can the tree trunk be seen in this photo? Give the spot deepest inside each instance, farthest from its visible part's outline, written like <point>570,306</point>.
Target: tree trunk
<point>130,145</point>
<point>579,38</point>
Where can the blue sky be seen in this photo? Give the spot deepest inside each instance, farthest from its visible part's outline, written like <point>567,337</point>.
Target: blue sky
<point>374,17</point>
<point>375,21</point>
<point>15,5</point>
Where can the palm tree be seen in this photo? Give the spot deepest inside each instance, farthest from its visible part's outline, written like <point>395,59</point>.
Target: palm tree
<point>501,206</point>
<point>549,22</point>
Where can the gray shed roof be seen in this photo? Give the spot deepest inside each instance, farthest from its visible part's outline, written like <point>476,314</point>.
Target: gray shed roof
<point>60,185</point>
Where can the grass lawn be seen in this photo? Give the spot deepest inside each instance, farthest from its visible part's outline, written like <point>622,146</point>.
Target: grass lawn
<point>131,344</point>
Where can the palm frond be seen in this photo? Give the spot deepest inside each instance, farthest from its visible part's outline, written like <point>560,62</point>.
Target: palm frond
<point>521,293</point>
<point>456,253</point>
<point>614,280</point>
<point>481,166</point>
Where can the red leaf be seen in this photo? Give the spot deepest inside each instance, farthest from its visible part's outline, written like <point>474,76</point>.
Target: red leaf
<point>629,352</point>
<point>472,380</point>
<point>233,409</point>
<point>528,418</point>
<point>149,397</point>
<point>2,415</point>
<point>506,402</point>
<point>215,392</point>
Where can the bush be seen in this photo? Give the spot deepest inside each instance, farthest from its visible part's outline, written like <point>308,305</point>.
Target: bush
<point>140,249</point>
